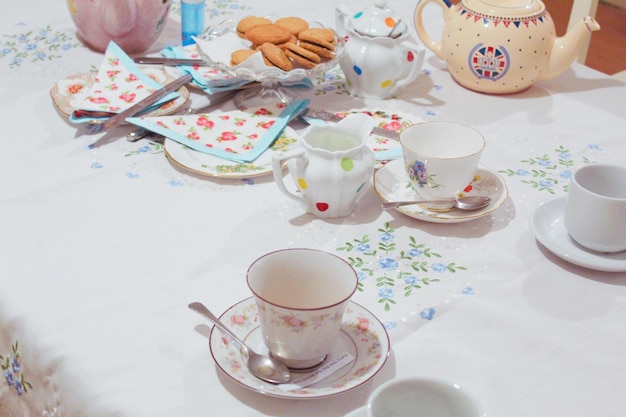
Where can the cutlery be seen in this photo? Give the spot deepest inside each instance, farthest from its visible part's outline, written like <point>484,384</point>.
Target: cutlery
<point>168,61</point>
<point>118,119</point>
<point>464,203</point>
<point>314,116</point>
<point>263,367</point>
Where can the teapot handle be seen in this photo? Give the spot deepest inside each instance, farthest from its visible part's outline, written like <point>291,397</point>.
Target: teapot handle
<point>418,53</point>
<point>277,168</point>
<point>419,25</point>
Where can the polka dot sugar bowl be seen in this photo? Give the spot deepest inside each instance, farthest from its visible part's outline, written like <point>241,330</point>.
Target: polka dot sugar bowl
<point>332,167</point>
<point>380,58</point>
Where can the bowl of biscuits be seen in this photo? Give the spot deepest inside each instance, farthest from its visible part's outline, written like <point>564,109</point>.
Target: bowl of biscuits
<point>273,53</point>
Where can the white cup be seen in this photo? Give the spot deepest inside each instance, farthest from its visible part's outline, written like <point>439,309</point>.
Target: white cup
<point>413,397</point>
<point>441,158</point>
<point>301,295</point>
<point>595,214</point>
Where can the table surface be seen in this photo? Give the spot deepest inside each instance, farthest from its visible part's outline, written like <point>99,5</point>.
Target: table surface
<point>102,249</point>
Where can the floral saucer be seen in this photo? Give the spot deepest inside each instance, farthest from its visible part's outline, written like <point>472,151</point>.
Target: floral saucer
<point>70,89</point>
<point>362,335</point>
<point>212,166</point>
<point>392,184</point>
<point>547,225</point>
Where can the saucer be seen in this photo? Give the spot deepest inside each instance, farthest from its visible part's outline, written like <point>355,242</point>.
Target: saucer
<point>547,225</point>
<point>362,335</point>
<point>65,91</point>
<point>392,184</point>
<point>212,166</point>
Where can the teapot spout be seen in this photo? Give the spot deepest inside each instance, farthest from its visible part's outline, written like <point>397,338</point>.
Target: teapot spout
<point>566,48</point>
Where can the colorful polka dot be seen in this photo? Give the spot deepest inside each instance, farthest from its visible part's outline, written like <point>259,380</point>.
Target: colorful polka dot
<point>390,22</point>
<point>302,184</point>
<point>410,56</point>
<point>347,164</point>
<point>357,70</point>
<point>385,84</point>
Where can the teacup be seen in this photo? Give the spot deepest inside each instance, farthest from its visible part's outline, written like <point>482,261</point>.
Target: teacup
<point>410,397</point>
<point>595,214</point>
<point>441,158</point>
<point>332,167</point>
<point>301,295</point>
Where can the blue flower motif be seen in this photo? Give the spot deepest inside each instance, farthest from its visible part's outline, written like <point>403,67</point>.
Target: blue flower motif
<point>521,172</point>
<point>66,46</point>
<point>544,162</point>
<point>8,375</point>
<point>386,237</point>
<point>17,384</point>
<point>15,365</point>
<point>144,149</point>
<point>30,47</point>
<point>132,175</point>
<point>361,276</point>
<point>566,174</point>
<point>385,293</point>
<point>390,325</point>
<point>565,155</point>
<point>439,267</point>
<point>468,291</point>
<point>546,183</point>
<point>410,280</point>
<point>388,263</point>
<point>362,247</point>
<point>427,313</point>
<point>175,183</point>
<point>594,147</point>
<point>415,252</point>
<point>96,165</point>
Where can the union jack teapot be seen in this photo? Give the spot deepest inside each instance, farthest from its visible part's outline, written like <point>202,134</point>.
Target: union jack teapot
<point>502,46</point>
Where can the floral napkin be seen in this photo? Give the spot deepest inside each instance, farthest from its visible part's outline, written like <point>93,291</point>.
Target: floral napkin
<point>238,136</point>
<point>118,85</point>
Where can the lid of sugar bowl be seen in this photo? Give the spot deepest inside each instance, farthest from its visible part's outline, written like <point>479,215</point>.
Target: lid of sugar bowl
<point>378,20</point>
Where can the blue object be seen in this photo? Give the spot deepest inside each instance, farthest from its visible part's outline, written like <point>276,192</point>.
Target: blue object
<point>192,19</point>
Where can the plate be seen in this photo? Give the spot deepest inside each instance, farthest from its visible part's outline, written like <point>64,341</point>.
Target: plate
<point>212,166</point>
<point>392,184</point>
<point>70,88</point>
<point>218,42</point>
<point>546,223</point>
<point>362,335</point>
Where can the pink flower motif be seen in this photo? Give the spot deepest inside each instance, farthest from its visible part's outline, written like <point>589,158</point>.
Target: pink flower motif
<point>238,319</point>
<point>128,97</point>
<point>253,136</point>
<point>132,77</point>
<point>98,100</point>
<point>364,324</point>
<point>112,73</point>
<point>74,88</point>
<point>266,125</point>
<point>193,136</point>
<point>394,125</point>
<point>262,112</point>
<point>204,121</point>
<point>293,321</point>
<point>225,117</point>
<point>226,136</point>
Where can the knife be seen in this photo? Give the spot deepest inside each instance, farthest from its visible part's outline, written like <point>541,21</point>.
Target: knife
<point>313,116</point>
<point>118,119</point>
<point>168,61</point>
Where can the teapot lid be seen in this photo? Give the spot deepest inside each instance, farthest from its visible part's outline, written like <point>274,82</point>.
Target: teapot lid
<point>378,20</point>
<point>506,8</point>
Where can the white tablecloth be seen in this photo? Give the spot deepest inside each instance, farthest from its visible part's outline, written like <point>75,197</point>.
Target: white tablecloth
<point>102,249</point>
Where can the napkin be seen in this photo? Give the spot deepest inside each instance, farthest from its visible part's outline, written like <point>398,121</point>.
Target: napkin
<point>238,136</point>
<point>118,85</point>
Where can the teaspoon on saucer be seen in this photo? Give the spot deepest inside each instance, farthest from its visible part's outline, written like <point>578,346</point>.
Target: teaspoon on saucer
<point>464,203</point>
<point>263,367</point>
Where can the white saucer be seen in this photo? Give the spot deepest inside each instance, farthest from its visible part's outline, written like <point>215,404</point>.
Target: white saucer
<point>392,184</point>
<point>362,335</point>
<point>212,166</point>
<point>547,225</point>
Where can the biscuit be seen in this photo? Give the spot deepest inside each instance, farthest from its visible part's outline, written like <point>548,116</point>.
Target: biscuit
<point>247,22</point>
<point>239,56</point>
<point>301,56</point>
<point>318,40</point>
<point>275,56</point>
<point>271,33</point>
<point>295,25</point>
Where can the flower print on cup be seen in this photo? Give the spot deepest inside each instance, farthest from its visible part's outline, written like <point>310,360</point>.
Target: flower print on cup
<point>419,176</point>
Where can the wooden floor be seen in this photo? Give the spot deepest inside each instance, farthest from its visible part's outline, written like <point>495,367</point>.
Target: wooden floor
<point>607,50</point>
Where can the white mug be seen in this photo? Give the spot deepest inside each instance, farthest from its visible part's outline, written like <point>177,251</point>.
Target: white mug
<point>595,214</point>
<point>410,397</point>
<point>301,295</point>
<point>441,158</point>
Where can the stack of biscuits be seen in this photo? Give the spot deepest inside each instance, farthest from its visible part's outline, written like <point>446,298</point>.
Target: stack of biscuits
<point>287,43</point>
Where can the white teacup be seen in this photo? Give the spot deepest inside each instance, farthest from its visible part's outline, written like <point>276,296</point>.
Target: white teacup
<point>301,295</point>
<point>441,158</point>
<point>411,397</point>
<point>595,214</point>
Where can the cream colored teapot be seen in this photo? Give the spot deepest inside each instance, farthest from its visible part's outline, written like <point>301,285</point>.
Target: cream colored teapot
<point>502,46</point>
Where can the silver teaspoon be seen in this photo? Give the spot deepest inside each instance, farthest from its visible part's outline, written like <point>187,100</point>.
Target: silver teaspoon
<point>474,202</point>
<point>263,367</point>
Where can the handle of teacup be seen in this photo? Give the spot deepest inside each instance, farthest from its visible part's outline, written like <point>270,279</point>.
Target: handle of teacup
<point>278,160</point>
<point>415,56</point>
<point>421,31</point>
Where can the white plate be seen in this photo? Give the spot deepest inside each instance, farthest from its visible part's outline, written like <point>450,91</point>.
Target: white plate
<point>547,225</point>
<point>392,184</point>
<point>212,166</point>
<point>362,335</point>
<point>67,90</point>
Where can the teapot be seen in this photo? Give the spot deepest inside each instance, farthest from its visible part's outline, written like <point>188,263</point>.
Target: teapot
<point>332,166</point>
<point>502,46</point>
<point>133,24</point>
<point>379,58</point>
